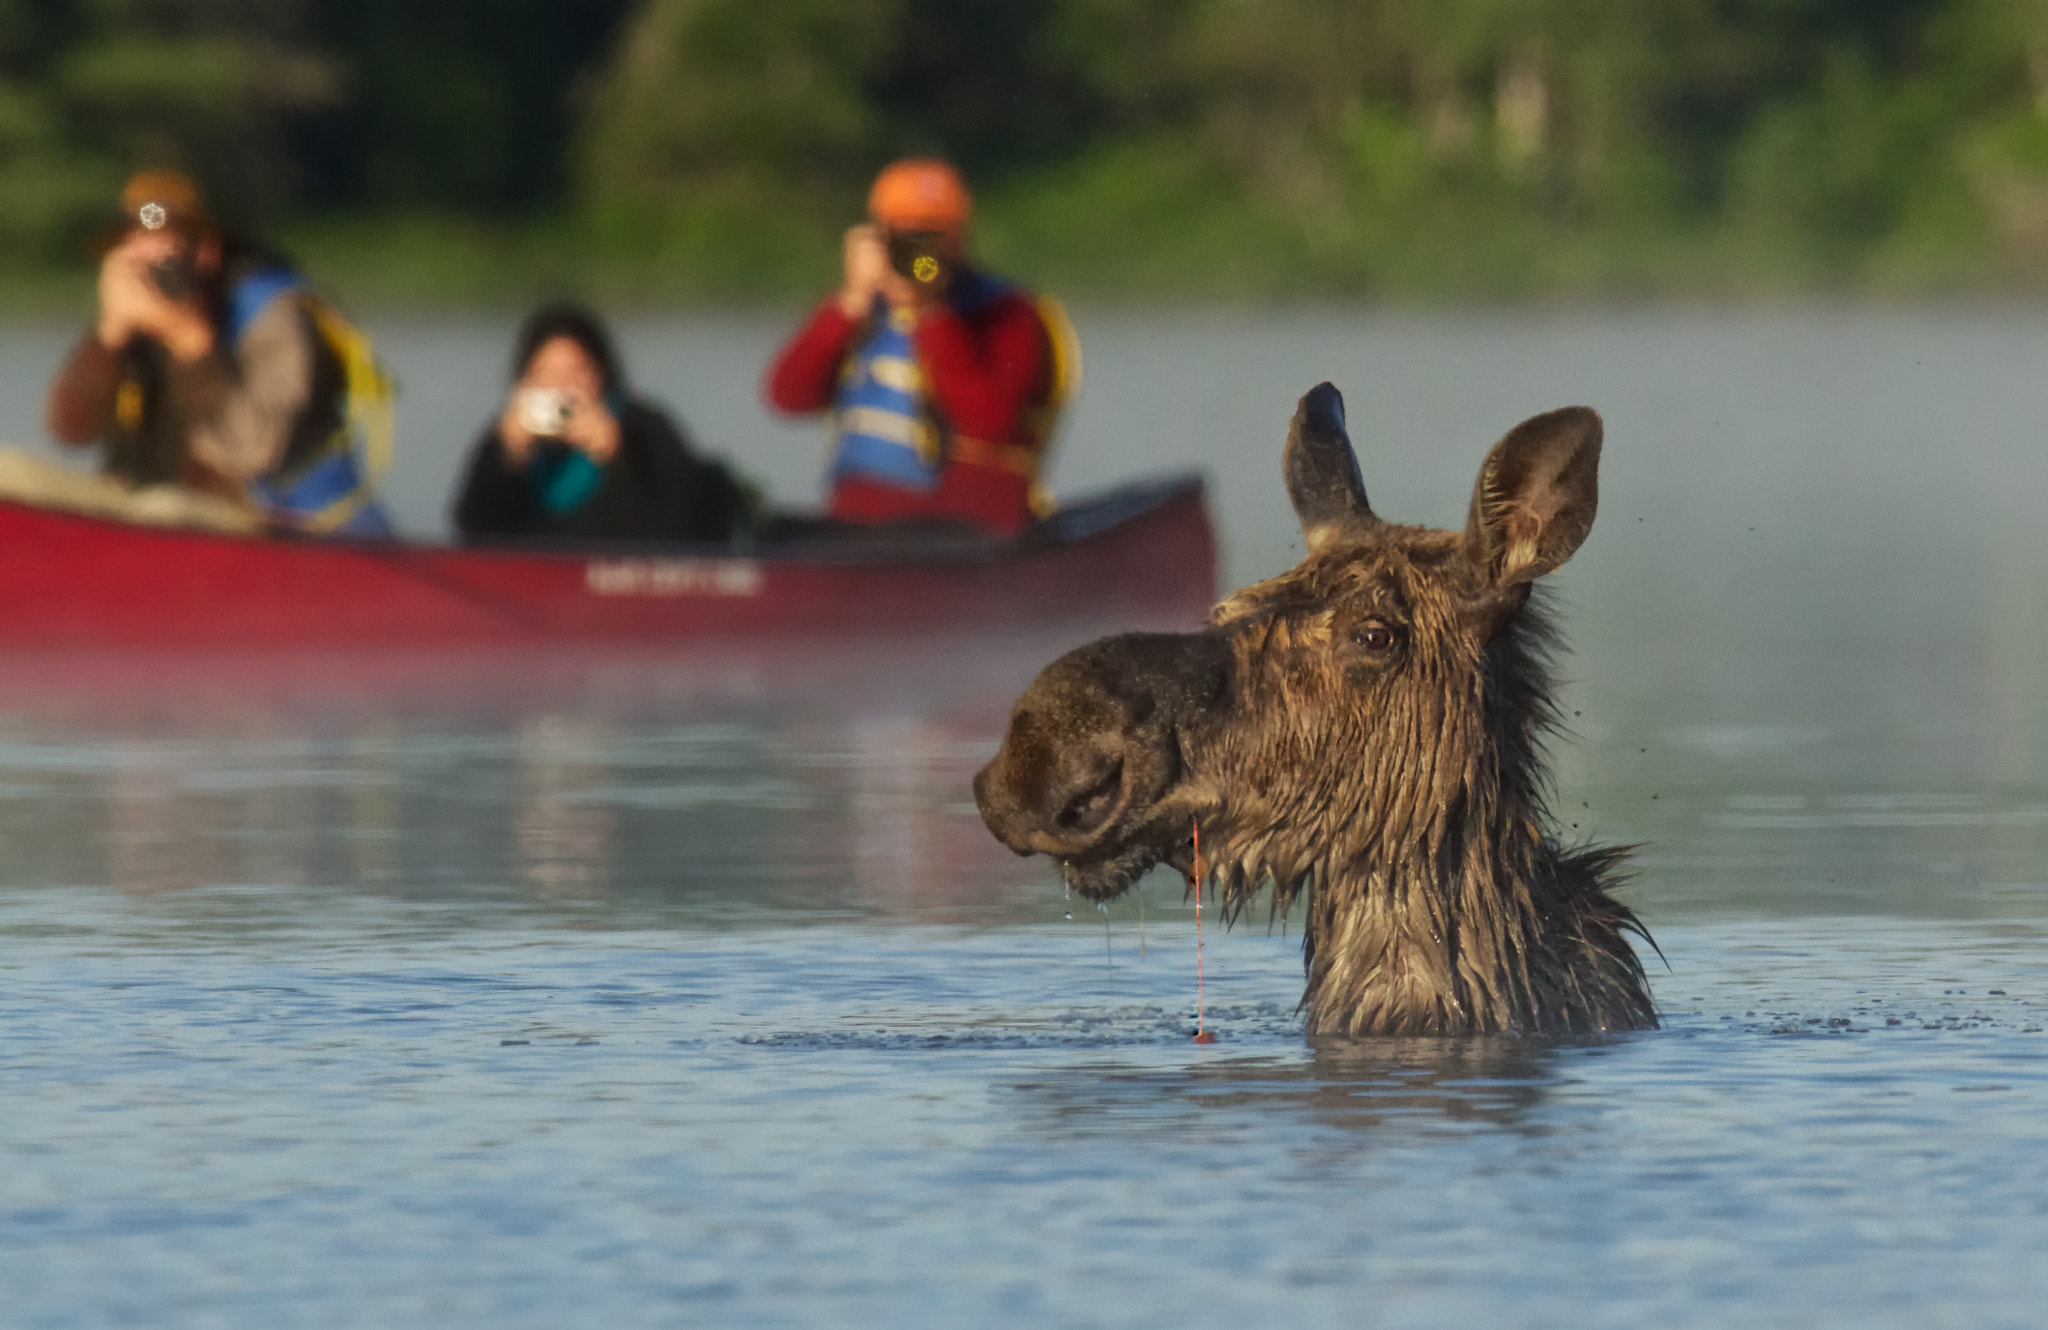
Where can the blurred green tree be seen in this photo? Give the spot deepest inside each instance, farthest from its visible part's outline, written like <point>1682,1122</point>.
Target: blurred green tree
<point>462,105</point>
<point>279,106</point>
<point>44,184</point>
<point>97,88</point>
<point>1328,145</point>
<point>1359,138</point>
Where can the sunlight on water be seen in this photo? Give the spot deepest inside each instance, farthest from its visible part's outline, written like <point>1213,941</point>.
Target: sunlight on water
<point>561,990</point>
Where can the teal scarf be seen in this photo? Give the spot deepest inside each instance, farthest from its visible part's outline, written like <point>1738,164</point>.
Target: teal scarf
<point>565,478</point>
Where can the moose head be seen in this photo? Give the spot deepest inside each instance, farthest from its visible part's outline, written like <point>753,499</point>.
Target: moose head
<point>1363,732</point>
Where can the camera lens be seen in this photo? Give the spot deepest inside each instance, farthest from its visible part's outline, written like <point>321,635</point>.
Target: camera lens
<point>915,254</point>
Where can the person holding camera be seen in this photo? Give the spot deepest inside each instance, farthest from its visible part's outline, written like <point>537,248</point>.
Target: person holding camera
<point>943,382</point>
<point>210,367</point>
<point>575,456</point>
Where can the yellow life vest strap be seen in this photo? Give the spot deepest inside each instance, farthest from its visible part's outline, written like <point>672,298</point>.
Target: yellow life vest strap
<point>1066,353</point>
<point>1065,383</point>
<point>370,391</point>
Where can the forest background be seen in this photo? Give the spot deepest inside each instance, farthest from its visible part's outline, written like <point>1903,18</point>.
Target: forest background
<point>1406,150</point>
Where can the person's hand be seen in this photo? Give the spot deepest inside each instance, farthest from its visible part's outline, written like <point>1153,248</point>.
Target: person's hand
<point>129,301</point>
<point>866,264</point>
<point>513,436</point>
<point>593,429</point>
<point>131,304</point>
<point>904,294</point>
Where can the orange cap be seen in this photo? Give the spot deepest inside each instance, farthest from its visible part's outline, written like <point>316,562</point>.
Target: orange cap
<point>156,199</point>
<point>920,194</point>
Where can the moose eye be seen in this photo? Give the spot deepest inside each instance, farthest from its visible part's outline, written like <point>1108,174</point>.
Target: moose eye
<point>1373,637</point>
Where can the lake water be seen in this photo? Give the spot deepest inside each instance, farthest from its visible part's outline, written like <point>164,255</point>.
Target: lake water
<point>575,991</point>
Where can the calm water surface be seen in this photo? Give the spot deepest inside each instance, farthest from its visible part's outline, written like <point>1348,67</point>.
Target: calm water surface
<point>572,991</point>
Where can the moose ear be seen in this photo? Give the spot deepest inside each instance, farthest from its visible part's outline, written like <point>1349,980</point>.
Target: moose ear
<point>1534,502</point>
<point>1322,471</point>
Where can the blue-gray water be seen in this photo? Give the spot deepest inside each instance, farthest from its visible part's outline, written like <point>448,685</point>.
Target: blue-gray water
<point>690,991</point>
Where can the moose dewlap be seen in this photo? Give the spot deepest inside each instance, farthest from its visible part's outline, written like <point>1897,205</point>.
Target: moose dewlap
<point>1364,733</point>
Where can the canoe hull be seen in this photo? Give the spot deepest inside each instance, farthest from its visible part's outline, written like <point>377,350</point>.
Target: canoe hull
<point>1143,557</point>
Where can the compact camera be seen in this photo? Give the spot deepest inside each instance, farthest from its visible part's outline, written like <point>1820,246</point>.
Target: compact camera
<point>545,412</point>
<point>175,277</point>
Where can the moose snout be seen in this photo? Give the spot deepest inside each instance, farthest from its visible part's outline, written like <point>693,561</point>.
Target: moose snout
<point>1000,813</point>
<point>1057,810</point>
<point>1096,741</point>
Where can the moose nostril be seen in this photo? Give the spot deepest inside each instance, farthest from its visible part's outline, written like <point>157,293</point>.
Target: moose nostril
<point>1090,807</point>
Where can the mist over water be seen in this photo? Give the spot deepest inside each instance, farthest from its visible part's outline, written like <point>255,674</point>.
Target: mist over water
<point>575,990</point>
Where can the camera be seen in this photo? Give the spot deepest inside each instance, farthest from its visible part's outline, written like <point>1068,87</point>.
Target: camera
<point>174,277</point>
<point>545,412</point>
<point>919,256</point>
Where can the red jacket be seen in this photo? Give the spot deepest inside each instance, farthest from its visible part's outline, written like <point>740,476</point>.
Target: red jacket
<point>987,373</point>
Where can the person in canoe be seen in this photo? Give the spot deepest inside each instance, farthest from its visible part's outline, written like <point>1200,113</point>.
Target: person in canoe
<point>215,379</point>
<point>576,455</point>
<point>943,382</point>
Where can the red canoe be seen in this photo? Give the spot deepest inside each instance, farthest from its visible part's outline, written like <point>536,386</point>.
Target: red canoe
<point>1139,556</point>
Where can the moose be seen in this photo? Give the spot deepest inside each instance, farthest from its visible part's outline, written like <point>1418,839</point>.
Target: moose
<point>1365,730</point>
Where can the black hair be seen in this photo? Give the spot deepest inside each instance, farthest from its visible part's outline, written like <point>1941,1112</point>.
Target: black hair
<point>566,318</point>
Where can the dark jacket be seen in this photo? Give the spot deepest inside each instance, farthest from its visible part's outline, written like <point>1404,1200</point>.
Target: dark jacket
<point>654,488</point>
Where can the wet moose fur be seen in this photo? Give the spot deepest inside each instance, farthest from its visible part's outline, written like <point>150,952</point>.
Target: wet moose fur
<point>1365,730</point>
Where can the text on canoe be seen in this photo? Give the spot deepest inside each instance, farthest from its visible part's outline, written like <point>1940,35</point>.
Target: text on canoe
<point>673,577</point>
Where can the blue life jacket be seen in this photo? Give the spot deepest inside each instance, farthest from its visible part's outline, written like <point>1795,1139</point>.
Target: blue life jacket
<point>249,296</point>
<point>889,429</point>
<point>331,492</point>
